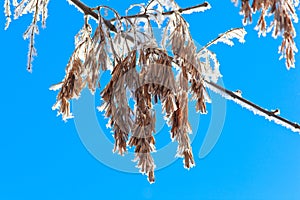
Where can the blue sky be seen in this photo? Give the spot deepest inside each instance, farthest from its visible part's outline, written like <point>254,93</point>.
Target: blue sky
<point>43,157</point>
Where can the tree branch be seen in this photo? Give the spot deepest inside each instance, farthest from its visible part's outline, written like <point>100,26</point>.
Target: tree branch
<point>89,11</point>
<point>270,114</point>
<point>205,4</point>
<point>217,38</point>
<point>86,10</point>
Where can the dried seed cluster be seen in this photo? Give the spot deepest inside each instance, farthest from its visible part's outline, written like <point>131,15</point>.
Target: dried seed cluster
<point>141,66</point>
<point>284,14</point>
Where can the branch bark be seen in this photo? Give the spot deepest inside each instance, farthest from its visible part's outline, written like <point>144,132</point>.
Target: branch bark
<point>243,100</point>
<point>86,10</point>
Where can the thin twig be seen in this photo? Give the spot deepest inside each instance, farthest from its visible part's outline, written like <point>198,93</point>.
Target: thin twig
<point>32,50</point>
<point>216,39</point>
<point>266,112</point>
<point>205,4</point>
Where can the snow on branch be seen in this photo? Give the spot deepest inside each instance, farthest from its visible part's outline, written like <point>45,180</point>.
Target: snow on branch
<point>238,33</point>
<point>39,11</point>
<point>270,115</point>
<point>198,8</point>
<point>7,13</point>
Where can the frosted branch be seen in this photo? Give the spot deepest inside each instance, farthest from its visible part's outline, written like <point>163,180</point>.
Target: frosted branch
<point>38,8</point>
<point>7,13</point>
<point>270,115</point>
<point>238,33</point>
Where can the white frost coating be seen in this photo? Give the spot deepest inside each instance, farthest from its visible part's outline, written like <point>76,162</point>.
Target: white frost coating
<point>65,116</point>
<point>199,9</point>
<point>56,86</point>
<point>7,13</point>
<point>271,27</point>
<point>234,33</point>
<point>283,55</point>
<point>238,33</point>
<point>210,70</point>
<point>142,24</point>
<point>15,3</point>
<point>37,7</point>
<point>135,5</point>
<point>155,11</point>
<point>151,4</point>
<point>83,41</point>
<point>236,2</point>
<point>39,10</point>
<point>254,110</point>
<point>155,6</point>
<point>291,9</point>
<point>238,93</point>
<point>169,4</point>
<point>71,3</point>
<point>44,12</point>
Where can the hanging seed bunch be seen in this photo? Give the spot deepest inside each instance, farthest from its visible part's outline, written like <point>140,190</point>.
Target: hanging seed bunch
<point>283,14</point>
<point>152,71</point>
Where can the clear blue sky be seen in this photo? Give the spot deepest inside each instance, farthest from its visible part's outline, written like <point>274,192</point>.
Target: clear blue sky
<point>42,157</point>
